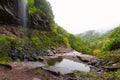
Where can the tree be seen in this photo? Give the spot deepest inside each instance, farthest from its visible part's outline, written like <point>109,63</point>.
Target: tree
<point>45,7</point>
<point>114,40</point>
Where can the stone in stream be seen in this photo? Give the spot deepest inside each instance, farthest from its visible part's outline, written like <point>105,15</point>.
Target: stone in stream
<point>49,52</point>
<point>40,58</point>
<point>58,70</point>
<point>84,59</point>
<point>65,66</point>
<point>111,68</point>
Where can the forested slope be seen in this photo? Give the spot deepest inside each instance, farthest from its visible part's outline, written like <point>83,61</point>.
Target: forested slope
<point>105,45</point>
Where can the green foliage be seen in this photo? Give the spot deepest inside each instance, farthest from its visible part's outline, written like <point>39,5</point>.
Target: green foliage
<point>73,41</point>
<point>40,72</point>
<point>5,39</point>
<point>105,46</point>
<point>19,48</point>
<point>5,60</point>
<point>18,43</point>
<point>115,33</point>
<point>58,39</point>
<point>35,40</point>
<point>4,45</point>
<point>109,45</point>
<point>31,7</point>
<point>96,51</point>
<point>62,31</point>
<point>44,39</point>
<point>77,44</point>
<point>93,40</point>
<point>89,74</point>
<point>110,55</point>
<point>113,41</point>
<point>54,26</point>
<point>113,75</point>
<point>45,7</point>
<point>66,41</point>
<point>41,7</point>
<point>105,55</point>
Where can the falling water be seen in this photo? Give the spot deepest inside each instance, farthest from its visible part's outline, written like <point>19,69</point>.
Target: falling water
<point>22,12</point>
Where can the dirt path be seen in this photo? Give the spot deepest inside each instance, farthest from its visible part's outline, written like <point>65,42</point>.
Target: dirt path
<point>21,71</point>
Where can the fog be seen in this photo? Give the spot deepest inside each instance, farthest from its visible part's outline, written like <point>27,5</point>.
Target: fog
<point>77,16</point>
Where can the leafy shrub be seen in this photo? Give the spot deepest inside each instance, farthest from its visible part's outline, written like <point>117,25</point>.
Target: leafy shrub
<point>5,39</point>
<point>66,41</point>
<point>31,7</point>
<point>35,40</point>
<point>96,51</point>
<point>114,75</point>
<point>5,60</point>
<point>110,55</point>
<point>113,41</point>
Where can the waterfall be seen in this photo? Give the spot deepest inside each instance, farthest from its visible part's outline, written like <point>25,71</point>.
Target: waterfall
<point>22,11</point>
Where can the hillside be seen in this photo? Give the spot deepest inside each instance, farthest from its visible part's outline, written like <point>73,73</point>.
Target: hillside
<point>105,46</point>
<point>94,40</point>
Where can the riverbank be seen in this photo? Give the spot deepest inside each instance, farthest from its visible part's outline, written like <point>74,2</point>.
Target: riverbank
<point>36,71</point>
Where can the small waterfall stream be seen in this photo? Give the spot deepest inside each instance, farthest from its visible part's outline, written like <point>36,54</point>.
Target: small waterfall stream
<point>22,8</point>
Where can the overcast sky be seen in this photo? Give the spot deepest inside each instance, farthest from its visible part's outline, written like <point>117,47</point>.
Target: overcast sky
<point>77,16</point>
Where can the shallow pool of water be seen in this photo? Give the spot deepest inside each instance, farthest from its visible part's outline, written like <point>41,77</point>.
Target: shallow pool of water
<point>68,64</point>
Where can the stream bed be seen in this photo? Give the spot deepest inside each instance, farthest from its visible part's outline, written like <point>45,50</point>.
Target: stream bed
<point>65,66</point>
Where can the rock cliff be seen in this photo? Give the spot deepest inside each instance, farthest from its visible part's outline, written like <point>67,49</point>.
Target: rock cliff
<point>9,15</point>
<point>8,12</point>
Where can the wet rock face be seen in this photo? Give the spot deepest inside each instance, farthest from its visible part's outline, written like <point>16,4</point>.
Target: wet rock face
<point>28,53</point>
<point>9,14</point>
<point>39,22</point>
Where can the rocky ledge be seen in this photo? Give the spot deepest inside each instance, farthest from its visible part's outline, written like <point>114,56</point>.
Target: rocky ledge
<point>98,66</point>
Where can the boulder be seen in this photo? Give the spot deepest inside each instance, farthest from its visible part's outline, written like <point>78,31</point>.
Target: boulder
<point>111,68</point>
<point>40,58</point>
<point>84,59</point>
<point>49,52</point>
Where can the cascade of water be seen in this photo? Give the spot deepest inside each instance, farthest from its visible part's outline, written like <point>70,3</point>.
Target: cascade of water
<point>22,12</point>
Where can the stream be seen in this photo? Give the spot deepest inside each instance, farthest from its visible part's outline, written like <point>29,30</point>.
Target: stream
<point>55,65</point>
<point>65,66</point>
